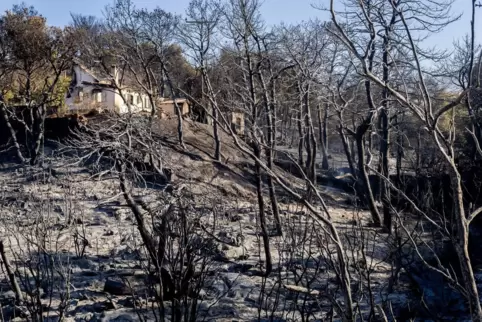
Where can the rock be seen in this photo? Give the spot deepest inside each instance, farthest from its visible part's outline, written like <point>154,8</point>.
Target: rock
<point>202,295</point>
<point>73,303</point>
<point>7,297</point>
<point>85,263</point>
<point>80,295</point>
<point>226,252</point>
<point>216,289</point>
<point>301,289</point>
<point>233,294</point>
<point>58,208</point>
<point>243,257</point>
<point>224,310</point>
<point>231,239</point>
<point>121,318</point>
<point>267,303</point>
<point>12,312</point>
<point>130,302</point>
<point>89,273</point>
<point>236,218</point>
<point>104,306</point>
<point>116,287</point>
<point>85,317</point>
<point>122,214</point>
<point>240,268</point>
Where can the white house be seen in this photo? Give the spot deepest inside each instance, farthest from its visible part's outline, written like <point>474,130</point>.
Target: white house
<point>88,90</point>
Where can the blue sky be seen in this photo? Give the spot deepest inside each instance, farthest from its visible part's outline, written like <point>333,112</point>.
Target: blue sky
<point>57,13</point>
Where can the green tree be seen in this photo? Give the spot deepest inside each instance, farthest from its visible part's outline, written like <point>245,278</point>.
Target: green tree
<point>34,58</point>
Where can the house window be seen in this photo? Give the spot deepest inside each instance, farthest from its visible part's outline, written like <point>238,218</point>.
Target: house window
<point>97,96</point>
<point>130,99</point>
<point>139,100</point>
<point>237,124</point>
<point>147,103</point>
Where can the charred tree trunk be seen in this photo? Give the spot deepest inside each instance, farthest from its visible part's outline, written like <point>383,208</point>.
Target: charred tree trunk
<point>418,160</point>
<point>462,246</point>
<point>301,140</point>
<point>180,131</point>
<point>217,141</point>
<point>13,135</point>
<point>307,136</point>
<point>11,275</point>
<point>214,111</point>
<point>262,210</point>
<point>367,193</point>
<point>249,76</point>
<point>38,133</point>
<point>323,134</point>
<point>346,148</point>
<point>310,139</point>
<point>384,187</point>
<point>385,139</point>
<point>270,120</point>
<point>360,142</point>
<point>269,99</point>
<point>369,148</point>
<point>400,152</point>
<point>301,129</point>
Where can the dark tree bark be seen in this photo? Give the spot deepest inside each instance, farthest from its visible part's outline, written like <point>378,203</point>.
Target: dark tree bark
<point>368,192</point>
<point>217,141</point>
<point>309,138</point>
<point>270,122</point>
<point>361,130</point>
<point>180,131</point>
<point>301,130</point>
<point>384,146</point>
<point>249,76</point>
<point>11,275</point>
<point>346,147</point>
<point>13,135</point>
<point>323,135</point>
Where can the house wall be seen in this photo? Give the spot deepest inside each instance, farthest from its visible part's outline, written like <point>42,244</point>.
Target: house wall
<point>73,102</point>
<point>143,105</point>
<point>237,121</point>
<point>167,110</point>
<point>112,100</point>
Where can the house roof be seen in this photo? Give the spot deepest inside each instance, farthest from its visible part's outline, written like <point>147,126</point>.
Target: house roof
<point>103,79</point>
<point>99,84</point>
<point>178,100</point>
<point>97,75</point>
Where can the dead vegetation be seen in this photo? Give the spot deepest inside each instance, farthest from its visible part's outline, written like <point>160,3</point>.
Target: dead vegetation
<point>88,239</point>
<point>109,216</point>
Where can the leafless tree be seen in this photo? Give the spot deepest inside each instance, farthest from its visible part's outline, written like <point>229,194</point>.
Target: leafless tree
<point>197,34</point>
<point>424,110</point>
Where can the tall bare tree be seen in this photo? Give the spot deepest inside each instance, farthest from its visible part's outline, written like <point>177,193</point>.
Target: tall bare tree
<point>197,34</point>
<point>423,108</point>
